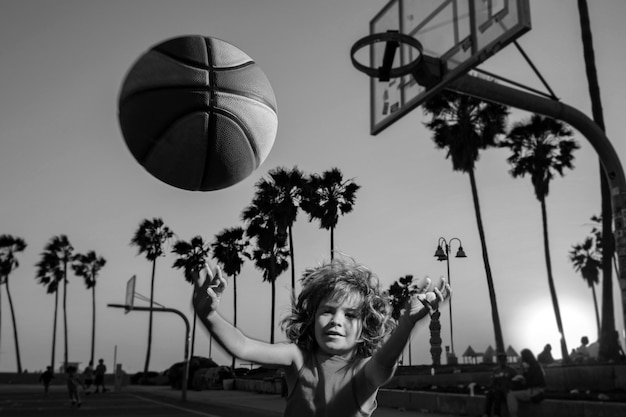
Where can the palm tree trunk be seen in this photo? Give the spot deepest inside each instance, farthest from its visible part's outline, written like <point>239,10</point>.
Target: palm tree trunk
<point>147,364</point>
<point>93,321</point>
<point>193,336</point>
<point>273,309</point>
<point>293,267</point>
<point>495,317</point>
<point>65,352</point>
<point>609,348</point>
<point>332,243</point>
<point>54,326</point>
<point>17,345</point>
<point>555,301</point>
<point>595,306</point>
<point>234,312</point>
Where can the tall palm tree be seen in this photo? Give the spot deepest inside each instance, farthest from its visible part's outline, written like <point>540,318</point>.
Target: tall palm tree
<point>398,295</point>
<point>597,232</point>
<point>58,253</point>
<point>230,247</point>
<point>270,254</point>
<point>542,147</point>
<point>587,260</point>
<point>328,196</point>
<point>151,237</point>
<point>283,189</point>
<point>609,345</point>
<point>192,257</point>
<point>9,246</point>
<point>464,126</point>
<point>88,267</point>
<point>49,275</point>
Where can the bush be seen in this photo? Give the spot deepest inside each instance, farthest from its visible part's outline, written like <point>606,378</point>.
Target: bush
<point>150,379</point>
<point>211,378</point>
<point>175,372</point>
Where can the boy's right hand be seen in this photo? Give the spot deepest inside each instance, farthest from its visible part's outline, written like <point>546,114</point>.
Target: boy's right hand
<point>208,288</point>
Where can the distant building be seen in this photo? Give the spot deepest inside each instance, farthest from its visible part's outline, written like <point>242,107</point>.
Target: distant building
<point>473,357</point>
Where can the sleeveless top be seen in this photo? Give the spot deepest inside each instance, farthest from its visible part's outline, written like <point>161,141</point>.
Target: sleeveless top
<point>329,386</point>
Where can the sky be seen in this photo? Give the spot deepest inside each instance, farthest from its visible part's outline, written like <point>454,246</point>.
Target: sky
<point>65,169</point>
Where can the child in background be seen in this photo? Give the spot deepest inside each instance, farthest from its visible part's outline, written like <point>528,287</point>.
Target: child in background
<point>342,342</point>
<point>46,377</point>
<point>88,376</point>
<point>73,385</point>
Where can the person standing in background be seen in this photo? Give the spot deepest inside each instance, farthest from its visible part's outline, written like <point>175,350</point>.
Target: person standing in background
<point>101,369</point>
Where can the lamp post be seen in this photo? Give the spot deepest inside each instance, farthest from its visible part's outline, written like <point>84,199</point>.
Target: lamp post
<point>443,254</point>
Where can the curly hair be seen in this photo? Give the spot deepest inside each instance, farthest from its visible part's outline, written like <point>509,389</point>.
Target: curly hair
<point>340,280</point>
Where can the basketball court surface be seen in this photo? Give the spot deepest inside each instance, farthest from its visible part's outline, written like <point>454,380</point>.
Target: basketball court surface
<point>26,401</point>
<point>153,401</point>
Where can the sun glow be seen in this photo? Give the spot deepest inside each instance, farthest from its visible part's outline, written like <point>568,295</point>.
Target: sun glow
<point>535,325</point>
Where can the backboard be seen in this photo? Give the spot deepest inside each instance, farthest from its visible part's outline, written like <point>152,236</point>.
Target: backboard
<point>130,294</point>
<point>460,33</point>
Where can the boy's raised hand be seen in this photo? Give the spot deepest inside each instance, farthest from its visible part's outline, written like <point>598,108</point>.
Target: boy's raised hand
<point>425,298</point>
<point>208,288</point>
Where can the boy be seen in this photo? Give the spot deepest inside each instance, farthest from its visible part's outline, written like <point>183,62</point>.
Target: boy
<point>343,345</point>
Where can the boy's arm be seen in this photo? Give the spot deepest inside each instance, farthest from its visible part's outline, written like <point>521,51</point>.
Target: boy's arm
<point>383,363</point>
<point>245,348</point>
<point>206,301</point>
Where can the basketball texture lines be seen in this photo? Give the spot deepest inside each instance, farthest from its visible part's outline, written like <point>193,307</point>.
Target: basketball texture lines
<point>198,113</point>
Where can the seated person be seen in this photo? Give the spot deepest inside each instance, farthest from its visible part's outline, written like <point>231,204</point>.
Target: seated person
<point>581,354</point>
<point>545,357</point>
<point>534,382</point>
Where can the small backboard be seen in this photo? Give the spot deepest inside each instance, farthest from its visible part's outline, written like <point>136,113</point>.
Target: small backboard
<point>461,34</point>
<point>130,294</point>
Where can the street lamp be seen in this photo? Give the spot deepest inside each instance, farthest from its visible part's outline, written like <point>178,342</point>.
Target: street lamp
<point>443,254</point>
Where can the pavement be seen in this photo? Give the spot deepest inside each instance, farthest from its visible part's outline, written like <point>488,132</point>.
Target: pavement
<point>207,403</point>
<point>260,401</point>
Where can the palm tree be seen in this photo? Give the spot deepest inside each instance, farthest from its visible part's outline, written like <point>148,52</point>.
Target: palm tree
<point>398,294</point>
<point>9,246</point>
<point>283,189</point>
<point>542,147</point>
<point>328,196</point>
<point>49,275</point>
<point>191,259</point>
<point>587,260</point>
<point>88,267</point>
<point>230,247</point>
<point>270,253</point>
<point>597,234</point>
<point>464,126</point>
<point>609,347</point>
<point>150,238</point>
<point>58,253</point>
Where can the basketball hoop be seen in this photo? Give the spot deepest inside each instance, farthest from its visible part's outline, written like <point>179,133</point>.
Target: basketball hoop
<point>393,39</point>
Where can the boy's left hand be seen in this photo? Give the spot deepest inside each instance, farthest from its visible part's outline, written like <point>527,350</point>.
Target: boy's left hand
<point>425,299</point>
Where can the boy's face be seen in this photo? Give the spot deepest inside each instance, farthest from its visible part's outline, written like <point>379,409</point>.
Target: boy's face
<point>338,326</point>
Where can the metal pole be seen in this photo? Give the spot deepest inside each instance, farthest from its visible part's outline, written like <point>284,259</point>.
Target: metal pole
<point>490,91</point>
<point>187,337</point>
<point>450,300</point>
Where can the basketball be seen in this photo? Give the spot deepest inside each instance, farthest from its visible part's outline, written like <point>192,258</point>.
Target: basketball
<point>198,113</point>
